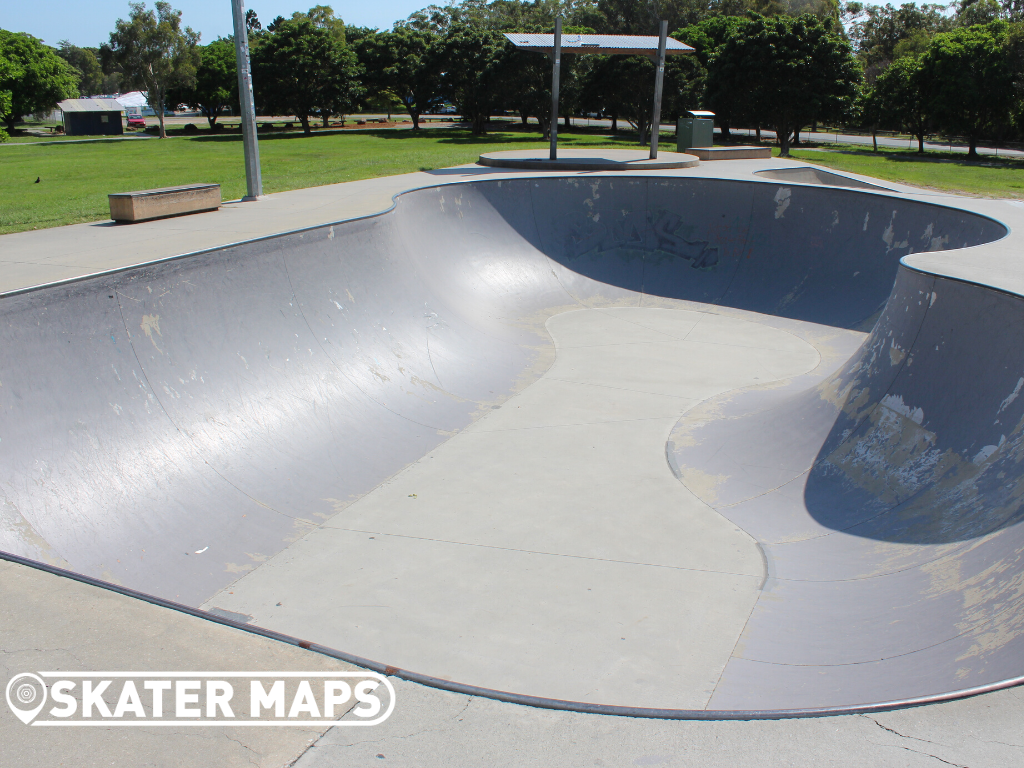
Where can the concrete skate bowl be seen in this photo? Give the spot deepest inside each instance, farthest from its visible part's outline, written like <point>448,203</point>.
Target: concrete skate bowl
<point>195,429</point>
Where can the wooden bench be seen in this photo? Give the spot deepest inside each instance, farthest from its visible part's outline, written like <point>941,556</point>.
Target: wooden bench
<point>149,204</point>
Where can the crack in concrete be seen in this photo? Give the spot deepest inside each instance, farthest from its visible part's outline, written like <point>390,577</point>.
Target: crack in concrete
<point>456,717</point>
<point>463,710</point>
<point>901,735</point>
<point>248,749</point>
<point>926,754</point>
<point>1001,743</point>
<point>914,738</point>
<point>314,742</point>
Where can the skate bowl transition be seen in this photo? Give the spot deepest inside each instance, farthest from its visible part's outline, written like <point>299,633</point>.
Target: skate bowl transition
<point>282,432</point>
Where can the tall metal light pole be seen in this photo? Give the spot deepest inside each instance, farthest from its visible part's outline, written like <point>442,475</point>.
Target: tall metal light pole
<point>556,55</point>
<point>253,178</point>
<point>659,81</point>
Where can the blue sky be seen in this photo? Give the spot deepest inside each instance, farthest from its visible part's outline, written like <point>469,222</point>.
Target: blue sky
<point>89,23</point>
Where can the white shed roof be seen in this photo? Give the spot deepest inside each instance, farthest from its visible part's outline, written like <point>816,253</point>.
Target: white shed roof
<point>90,105</point>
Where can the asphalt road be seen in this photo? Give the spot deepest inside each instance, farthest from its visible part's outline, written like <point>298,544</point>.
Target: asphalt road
<point>885,141</point>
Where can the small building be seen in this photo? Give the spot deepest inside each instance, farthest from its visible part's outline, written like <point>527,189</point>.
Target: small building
<point>92,117</point>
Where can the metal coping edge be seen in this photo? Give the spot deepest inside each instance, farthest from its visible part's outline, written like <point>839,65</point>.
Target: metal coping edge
<point>506,696</point>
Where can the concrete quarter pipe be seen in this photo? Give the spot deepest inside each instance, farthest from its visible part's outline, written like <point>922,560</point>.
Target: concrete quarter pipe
<point>437,438</point>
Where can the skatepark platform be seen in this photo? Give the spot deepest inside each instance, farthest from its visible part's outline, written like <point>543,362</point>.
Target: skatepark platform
<point>598,159</point>
<point>436,438</point>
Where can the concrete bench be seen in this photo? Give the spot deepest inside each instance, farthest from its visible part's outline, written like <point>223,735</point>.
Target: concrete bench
<point>160,203</point>
<point>730,152</point>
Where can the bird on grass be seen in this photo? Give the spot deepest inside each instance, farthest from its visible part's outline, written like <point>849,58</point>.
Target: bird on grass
<point>37,179</point>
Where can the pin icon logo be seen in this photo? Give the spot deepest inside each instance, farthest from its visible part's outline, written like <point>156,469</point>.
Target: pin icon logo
<point>22,692</point>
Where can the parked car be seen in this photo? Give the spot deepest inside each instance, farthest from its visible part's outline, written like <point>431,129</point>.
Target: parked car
<point>136,121</point>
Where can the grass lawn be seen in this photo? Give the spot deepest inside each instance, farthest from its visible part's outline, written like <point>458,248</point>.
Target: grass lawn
<point>76,178</point>
<point>56,137</point>
<point>948,171</point>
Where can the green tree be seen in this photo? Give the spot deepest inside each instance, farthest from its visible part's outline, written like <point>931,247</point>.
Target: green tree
<point>153,53</point>
<point>8,74</point>
<point>304,69</point>
<point>37,77</point>
<point>623,87</point>
<point>969,82</point>
<point>252,22</point>
<point>790,72</point>
<point>637,17</point>
<point>867,110</point>
<point>86,64</point>
<point>707,38</point>
<point>398,63</point>
<point>216,82</point>
<point>474,71</point>
<point>913,46</point>
<point>685,86</point>
<point>354,35</point>
<point>528,88</point>
<point>876,30</point>
<point>323,17</point>
<point>972,12</point>
<point>899,94</point>
<point>642,17</point>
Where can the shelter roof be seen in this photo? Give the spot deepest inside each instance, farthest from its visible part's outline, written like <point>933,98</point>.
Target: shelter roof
<point>643,45</point>
<point>90,105</point>
<point>133,99</point>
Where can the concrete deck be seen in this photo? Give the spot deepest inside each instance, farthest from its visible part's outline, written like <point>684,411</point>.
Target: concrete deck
<point>56,623</point>
<point>620,379</point>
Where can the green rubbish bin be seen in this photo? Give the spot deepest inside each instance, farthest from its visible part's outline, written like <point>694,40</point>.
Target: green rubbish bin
<point>695,130</point>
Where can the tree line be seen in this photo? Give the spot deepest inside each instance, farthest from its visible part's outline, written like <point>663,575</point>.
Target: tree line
<point>776,64</point>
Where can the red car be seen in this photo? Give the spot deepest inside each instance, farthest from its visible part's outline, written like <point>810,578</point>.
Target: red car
<point>136,121</point>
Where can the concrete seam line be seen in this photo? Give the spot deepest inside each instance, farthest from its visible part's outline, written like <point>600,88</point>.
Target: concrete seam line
<point>516,698</point>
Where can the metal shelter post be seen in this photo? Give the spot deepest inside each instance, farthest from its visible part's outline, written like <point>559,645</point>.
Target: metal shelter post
<point>556,55</point>
<point>253,178</point>
<point>659,82</point>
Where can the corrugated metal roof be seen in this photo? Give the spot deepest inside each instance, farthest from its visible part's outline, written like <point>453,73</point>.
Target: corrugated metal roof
<point>90,105</point>
<point>605,44</point>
